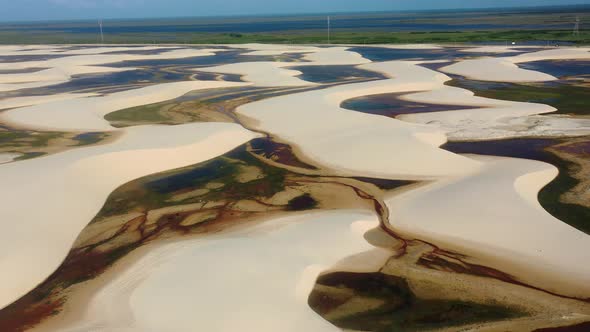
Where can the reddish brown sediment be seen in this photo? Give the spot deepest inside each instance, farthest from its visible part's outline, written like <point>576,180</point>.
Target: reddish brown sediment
<point>583,327</point>
<point>12,319</point>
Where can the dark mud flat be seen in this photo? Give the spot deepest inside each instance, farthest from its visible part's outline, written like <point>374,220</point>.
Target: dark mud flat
<point>380,302</point>
<point>391,105</point>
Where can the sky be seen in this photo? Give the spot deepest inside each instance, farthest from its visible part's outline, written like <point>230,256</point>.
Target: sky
<point>40,10</point>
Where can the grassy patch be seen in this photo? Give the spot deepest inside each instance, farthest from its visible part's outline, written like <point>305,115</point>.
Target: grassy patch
<point>567,99</point>
<point>304,37</point>
<point>146,113</point>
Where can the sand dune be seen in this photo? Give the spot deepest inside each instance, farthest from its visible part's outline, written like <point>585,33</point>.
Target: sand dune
<point>65,50</point>
<point>496,69</point>
<point>243,280</point>
<point>69,188</point>
<point>8,157</point>
<point>262,73</point>
<point>274,49</point>
<point>494,215</point>
<point>34,100</point>
<point>335,56</point>
<point>314,122</point>
<point>87,114</point>
<point>505,69</point>
<point>277,73</point>
<point>62,69</point>
<point>494,49</point>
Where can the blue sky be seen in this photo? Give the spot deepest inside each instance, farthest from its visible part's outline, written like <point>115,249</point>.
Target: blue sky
<point>11,10</point>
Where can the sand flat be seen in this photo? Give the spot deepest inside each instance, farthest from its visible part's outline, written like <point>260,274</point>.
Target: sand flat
<point>491,118</point>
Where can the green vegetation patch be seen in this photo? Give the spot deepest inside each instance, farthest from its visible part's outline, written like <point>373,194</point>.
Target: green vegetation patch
<point>219,176</point>
<point>152,113</point>
<point>567,99</point>
<point>575,215</point>
<point>301,37</point>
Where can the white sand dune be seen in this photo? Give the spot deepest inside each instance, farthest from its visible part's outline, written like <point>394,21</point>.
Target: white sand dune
<point>62,69</point>
<point>496,69</point>
<point>262,73</point>
<point>582,53</point>
<point>410,46</point>
<point>87,114</point>
<point>35,100</point>
<point>494,215</point>
<point>30,85</point>
<point>359,144</point>
<point>63,50</point>
<point>244,280</point>
<point>270,49</point>
<point>103,59</point>
<point>55,74</point>
<point>277,73</point>
<point>492,49</point>
<point>43,214</point>
<point>505,69</point>
<point>335,56</point>
<point>8,157</point>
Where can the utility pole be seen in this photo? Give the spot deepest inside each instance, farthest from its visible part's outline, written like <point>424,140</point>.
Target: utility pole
<point>577,26</point>
<point>329,31</point>
<point>101,34</point>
